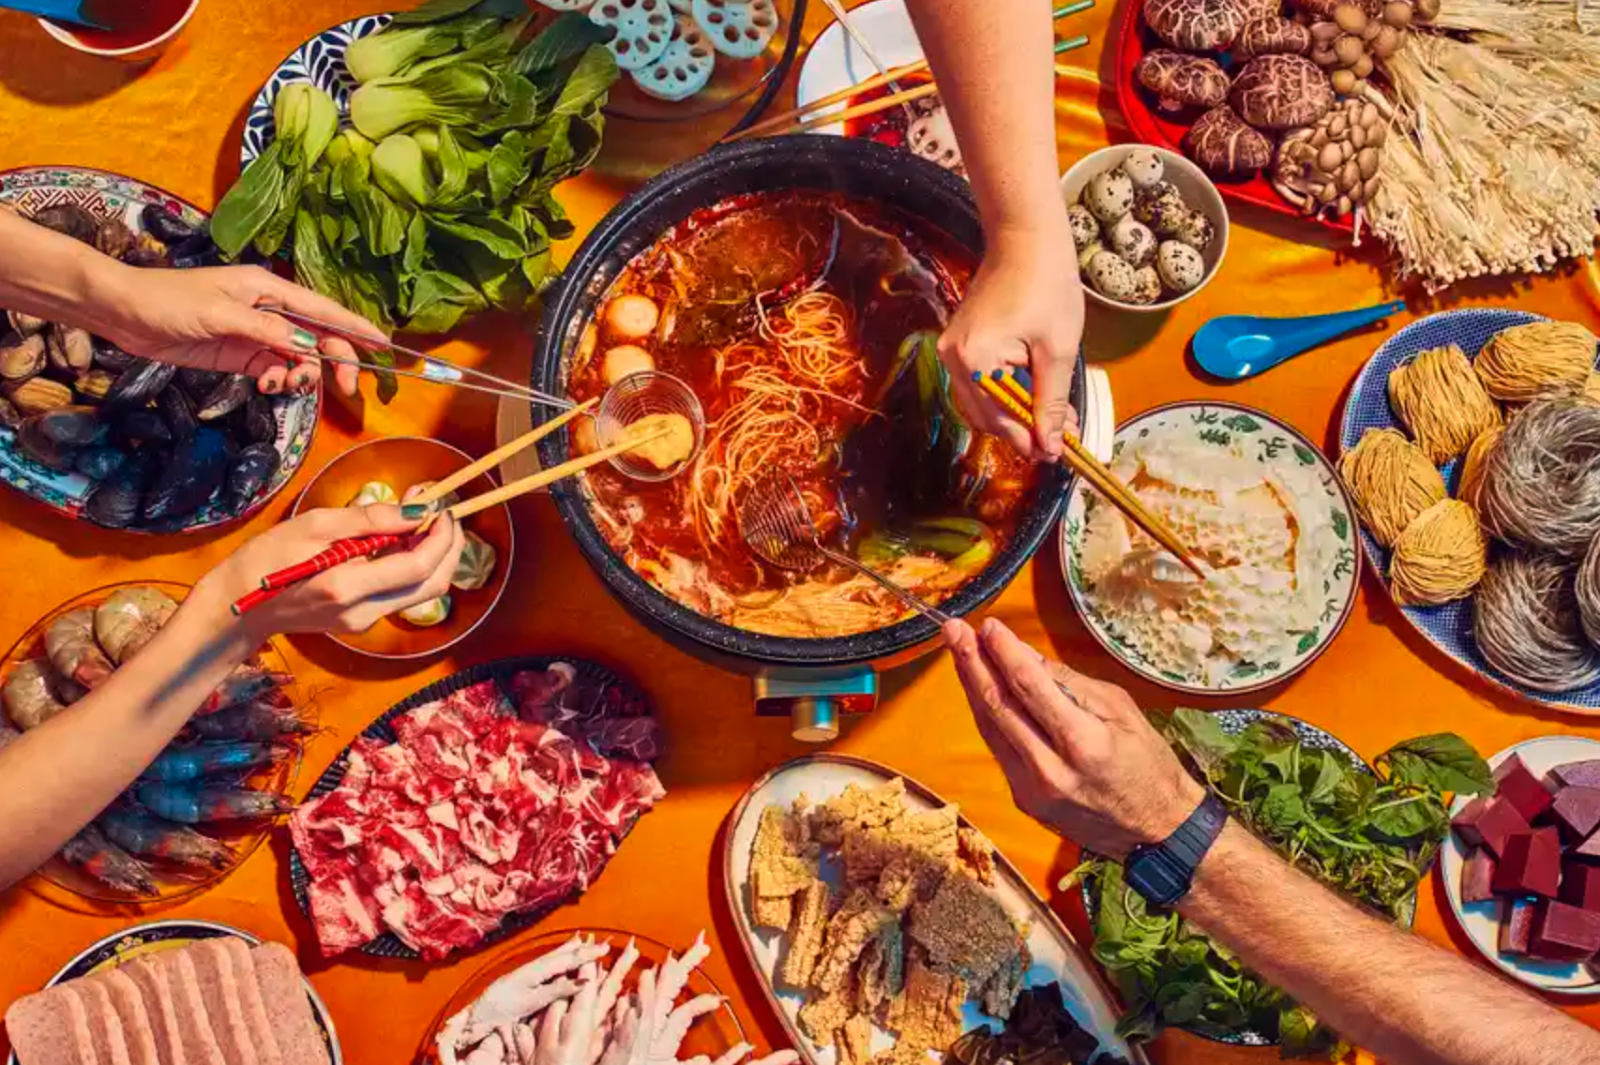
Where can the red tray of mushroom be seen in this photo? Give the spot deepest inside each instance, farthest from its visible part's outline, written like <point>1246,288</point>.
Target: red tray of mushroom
<point>1152,125</point>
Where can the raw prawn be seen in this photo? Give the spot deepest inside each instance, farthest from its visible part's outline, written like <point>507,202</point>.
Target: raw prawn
<point>190,805</point>
<point>148,837</point>
<point>243,685</point>
<point>177,764</point>
<point>30,694</point>
<point>129,619</point>
<point>108,863</point>
<point>257,720</point>
<point>70,643</point>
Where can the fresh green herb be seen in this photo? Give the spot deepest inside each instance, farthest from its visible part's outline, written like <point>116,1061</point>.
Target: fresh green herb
<point>1370,836</point>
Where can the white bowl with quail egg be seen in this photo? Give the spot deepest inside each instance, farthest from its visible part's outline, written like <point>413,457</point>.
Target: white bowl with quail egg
<point>1150,228</point>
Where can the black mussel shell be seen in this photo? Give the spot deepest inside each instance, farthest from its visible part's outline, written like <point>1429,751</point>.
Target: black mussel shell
<point>196,469</point>
<point>69,218</point>
<point>143,426</point>
<point>72,426</point>
<point>255,422</point>
<point>114,238</point>
<point>34,443</point>
<point>114,502</point>
<point>139,385</point>
<point>250,473</point>
<point>229,395</point>
<point>109,357</point>
<point>199,383</point>
<point>177,411</point>
<point>98,463</point>
<point>166,226</point>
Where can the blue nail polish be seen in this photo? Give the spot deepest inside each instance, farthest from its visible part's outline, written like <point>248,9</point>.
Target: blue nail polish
<point>414,511</point>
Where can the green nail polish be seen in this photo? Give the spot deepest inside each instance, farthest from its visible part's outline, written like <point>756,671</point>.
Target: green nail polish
<point>414,511</point>
<point>305,340</point>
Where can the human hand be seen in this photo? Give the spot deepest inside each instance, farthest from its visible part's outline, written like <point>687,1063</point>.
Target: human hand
<point>217,318</point>
<point>1088,765</point>
<point>1024,308</point>
<point>350,597</point>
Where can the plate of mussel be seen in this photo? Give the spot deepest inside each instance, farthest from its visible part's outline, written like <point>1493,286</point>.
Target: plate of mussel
<point>98,434</point>
<point>212,795</point>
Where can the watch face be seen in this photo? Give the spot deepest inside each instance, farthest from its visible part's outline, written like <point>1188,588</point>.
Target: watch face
<point>1153,873</point>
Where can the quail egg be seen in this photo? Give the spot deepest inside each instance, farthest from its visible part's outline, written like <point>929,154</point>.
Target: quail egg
<point>1193,229</point>
<point>1108,196</point>
<point>1180,266</point>
<point>1085,230</point>
<point>1113,277</point>
<point>1133,240</point>
<point>1143,167</point>
<point>1087,253</point>
<point>1157,205</point>
<point>1146,285</point>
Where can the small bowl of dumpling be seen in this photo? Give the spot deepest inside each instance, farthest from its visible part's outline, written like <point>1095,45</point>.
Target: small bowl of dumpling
<point>396,470</point>
<point>1149,227</point>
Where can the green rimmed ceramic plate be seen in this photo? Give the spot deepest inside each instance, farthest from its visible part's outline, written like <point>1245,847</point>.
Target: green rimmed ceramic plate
<point>1330,558</point>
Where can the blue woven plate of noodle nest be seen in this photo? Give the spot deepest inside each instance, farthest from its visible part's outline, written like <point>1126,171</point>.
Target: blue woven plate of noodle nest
<point>1448,627</point>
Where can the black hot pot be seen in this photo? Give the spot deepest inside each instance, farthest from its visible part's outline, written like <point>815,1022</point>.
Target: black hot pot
<point>815,679</point>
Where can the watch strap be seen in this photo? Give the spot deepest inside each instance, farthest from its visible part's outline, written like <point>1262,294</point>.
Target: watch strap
<point>1191,840</point>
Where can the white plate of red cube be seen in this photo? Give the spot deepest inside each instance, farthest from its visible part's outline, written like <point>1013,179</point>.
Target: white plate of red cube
<point>1522,867</point>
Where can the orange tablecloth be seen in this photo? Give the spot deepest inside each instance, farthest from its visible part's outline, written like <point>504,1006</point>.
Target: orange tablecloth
<point>177,124</point>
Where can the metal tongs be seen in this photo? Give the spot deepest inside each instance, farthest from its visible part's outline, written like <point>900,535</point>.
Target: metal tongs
<point>433,369</point>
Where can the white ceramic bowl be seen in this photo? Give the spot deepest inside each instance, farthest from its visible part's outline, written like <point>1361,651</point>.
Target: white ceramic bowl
<point>136,52</point>
<point>1197,191</point>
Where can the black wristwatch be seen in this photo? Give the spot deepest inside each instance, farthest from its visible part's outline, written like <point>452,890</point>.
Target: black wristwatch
<point>1163,872</point>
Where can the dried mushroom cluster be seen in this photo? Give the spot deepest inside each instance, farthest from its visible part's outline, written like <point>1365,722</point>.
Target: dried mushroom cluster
<point>1266,84</point>
<point>1137,240</point>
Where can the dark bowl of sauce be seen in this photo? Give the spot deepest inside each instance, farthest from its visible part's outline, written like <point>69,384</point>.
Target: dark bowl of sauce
<point>135,30</point>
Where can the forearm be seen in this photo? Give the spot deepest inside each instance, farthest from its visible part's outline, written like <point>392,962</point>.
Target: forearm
<point>61,774</point>
<point>996,73</point>
<point>1395,994</point>
<point>50,275</point>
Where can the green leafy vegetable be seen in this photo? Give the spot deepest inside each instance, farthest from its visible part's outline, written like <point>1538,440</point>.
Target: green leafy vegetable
<point>1370,836</point>
<point>399,168</point>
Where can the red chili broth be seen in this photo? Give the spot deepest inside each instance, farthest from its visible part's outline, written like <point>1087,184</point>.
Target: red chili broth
<point>131,22</point>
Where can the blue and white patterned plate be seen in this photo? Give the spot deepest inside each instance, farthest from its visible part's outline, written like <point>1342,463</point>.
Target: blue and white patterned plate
<point>1276,446</point>
<point>1448,627</point>
<point>108,195</point>
<point>319,61</point>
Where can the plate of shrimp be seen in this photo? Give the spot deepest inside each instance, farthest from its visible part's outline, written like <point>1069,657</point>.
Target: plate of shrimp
<point>592,997</point>
<point>209,799</point>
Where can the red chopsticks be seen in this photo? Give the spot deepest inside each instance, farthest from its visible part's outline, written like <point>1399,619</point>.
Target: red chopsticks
<point>338,553</point>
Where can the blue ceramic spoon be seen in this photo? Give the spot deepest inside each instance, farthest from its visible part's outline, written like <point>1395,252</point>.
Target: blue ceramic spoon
<point>1238,346</point>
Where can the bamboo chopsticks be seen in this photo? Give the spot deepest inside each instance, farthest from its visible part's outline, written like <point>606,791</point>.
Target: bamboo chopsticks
<point>1014,396</point>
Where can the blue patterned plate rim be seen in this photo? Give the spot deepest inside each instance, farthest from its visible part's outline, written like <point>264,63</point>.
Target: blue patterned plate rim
<point>1328,631</point>
<point>1448,627</point>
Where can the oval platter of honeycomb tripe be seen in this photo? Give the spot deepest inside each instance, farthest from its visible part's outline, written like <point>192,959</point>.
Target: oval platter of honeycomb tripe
<point>881,920</point>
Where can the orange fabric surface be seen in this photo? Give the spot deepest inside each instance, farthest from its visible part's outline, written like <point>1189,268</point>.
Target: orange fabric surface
<point>177,124</point>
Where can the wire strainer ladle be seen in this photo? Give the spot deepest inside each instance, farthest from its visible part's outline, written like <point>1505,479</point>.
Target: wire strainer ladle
<point>775,521</point>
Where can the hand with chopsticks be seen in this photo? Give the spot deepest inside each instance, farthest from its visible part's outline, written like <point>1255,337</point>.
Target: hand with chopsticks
<point>349,597</point>
<point>213,318</point>
<point>995,65</point>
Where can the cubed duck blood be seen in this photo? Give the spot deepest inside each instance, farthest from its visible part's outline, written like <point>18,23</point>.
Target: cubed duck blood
<point>1516,927</point>
<point>1477,876</point>
<point>1576,811</point>
<point>1579,774</point>
<point>1565,933</point>
<point>1488,823</point>
<point>1530,864</point>
<point>1580,885</point>
<point>1527,794</point>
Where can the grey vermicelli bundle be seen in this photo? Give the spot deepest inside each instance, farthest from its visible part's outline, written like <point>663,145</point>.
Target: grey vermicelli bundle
<point>1587,589</point>
<point>1472,466</point>
<point>1538,359</point>
<point>1442,402</point>
<point>1525,619</point>
<point>1541,483</point>
<point>1440,557</point>
<point>1391,482</point>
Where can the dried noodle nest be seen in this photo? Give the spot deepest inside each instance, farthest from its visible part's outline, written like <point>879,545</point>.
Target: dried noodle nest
<point>1587,589</point>
<point>1525,618</point>
<point>1440,557</point>
<point>1442,402</point>
<point>1541,483</point>
<point>1472,466</point>
<point>1538,359</point>
<point>1391,482</point>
